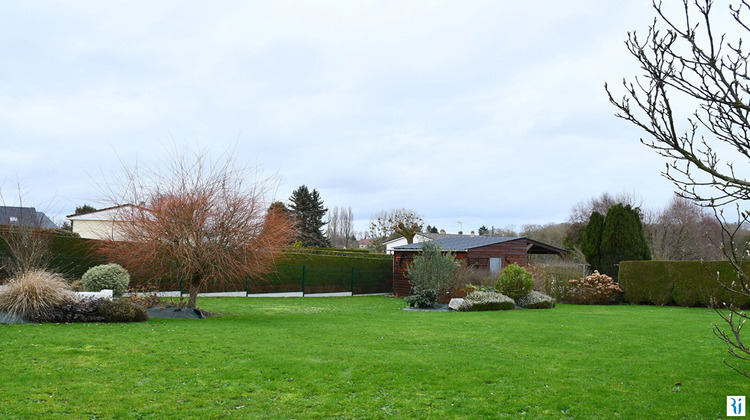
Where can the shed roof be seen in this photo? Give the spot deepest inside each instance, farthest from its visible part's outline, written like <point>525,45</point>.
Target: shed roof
<point>459,243</point>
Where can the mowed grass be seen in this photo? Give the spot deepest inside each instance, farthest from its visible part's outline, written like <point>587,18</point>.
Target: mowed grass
<point>364,357</point>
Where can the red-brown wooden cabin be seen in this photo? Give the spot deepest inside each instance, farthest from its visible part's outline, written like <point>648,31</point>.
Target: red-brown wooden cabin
<point>483,252</point>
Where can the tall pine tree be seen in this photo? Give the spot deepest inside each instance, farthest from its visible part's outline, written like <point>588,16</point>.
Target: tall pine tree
<point>307,212</point>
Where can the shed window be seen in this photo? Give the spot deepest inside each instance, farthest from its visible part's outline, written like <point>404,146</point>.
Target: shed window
<point>496,264</point>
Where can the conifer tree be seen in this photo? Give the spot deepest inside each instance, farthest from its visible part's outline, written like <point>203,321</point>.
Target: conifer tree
<point>592,240</point>
<point>307,211</point>
<point>622,239</point>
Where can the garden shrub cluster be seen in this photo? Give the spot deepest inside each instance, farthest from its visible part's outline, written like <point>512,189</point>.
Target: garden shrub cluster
<point>95,310</point>
<point>486,301</point>
<point>685,283</point>
<point>434,275</point>
<point>465,280</point>
<point>41,296</point>
<point>107,276</point>
<point>596,289</point>
<point>535,300</point>
<point>514,281</point>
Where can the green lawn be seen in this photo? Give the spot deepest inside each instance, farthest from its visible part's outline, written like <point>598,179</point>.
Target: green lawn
<point>364,357</point>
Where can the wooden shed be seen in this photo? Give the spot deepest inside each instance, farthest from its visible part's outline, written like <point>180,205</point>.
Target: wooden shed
<point>483,252</point>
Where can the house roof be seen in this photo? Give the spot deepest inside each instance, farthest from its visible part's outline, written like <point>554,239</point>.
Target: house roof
<point>25,216</point>
<point>455,243</point>
<point>106,214</point>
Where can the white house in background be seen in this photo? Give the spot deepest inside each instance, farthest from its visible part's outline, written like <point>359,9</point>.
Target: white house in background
<point>101,224</point>
<point>418,238</point>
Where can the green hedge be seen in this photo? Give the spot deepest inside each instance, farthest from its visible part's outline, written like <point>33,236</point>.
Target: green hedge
<point>323,272</point>
<point>327,273</point>
<point>69,255</point>
<point>685,283</point>
<point>327,270</point>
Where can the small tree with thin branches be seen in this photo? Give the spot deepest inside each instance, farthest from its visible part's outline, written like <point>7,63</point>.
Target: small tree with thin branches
<point>686,63</point>
<point>200,220</point>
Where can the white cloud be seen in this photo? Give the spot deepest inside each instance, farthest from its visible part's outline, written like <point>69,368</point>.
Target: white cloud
<point>490,111</point>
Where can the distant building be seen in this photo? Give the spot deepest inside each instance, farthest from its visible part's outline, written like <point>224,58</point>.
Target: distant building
<point>25,216</point>
<point>482,252</point>
<point>101,224</point>
<point>365,243</point>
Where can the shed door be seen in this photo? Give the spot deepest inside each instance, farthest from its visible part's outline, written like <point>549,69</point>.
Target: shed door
<point>496,264</point>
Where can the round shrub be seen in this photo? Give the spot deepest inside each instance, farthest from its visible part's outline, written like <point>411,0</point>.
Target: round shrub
<point>106,276</point>
<point>535,300</point>
<point>514,281</point>
<point>33,295</point>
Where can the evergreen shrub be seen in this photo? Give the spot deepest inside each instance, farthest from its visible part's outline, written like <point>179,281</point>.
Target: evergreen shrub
<point>535,300</point>
<point>431,270</point>
<point>486,301</point>
<point>106,276</point>
<point>424,299</point>
<point>514,281</point>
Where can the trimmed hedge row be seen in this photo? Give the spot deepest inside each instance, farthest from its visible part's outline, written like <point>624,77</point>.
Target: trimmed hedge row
<point>685,283</point>
<point>69,255</point>
<point>323,273</point>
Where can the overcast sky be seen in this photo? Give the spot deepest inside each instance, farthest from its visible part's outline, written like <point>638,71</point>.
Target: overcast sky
<point>485,112</point>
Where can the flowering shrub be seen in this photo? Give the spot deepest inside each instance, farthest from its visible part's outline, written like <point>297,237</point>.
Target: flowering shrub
<point>535,300</point>
<point>596,289</point>
<point>514,281</point>
<point>486,301</point>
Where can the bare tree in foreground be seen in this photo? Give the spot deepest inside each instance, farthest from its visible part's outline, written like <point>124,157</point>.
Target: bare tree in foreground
<point>686,62</point>
<point>196,219</point>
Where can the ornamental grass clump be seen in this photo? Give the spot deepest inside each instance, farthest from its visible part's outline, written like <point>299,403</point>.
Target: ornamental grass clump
<point>596,289</point>
<point>486,301</point>
<point>514,281</point>
<point>106,276</point>
<point>535,300</point>
<point>34,294</point>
